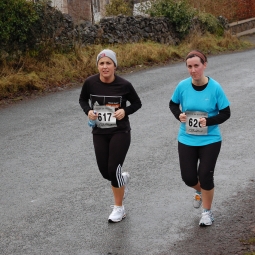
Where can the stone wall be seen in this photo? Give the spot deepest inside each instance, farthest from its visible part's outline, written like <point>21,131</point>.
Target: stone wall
<point>118,29</point>
<point>243,25</point>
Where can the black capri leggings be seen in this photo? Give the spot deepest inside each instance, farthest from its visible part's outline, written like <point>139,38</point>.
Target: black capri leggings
<point>192,171</point>
<point>111,151</point>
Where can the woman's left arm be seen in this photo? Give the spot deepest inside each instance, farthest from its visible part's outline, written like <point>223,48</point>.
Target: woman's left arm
<point>221,117</point>
<point>135,102</point>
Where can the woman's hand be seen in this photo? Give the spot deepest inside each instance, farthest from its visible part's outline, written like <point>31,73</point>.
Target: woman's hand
<point>92,115</point>
<point>183,117</point>
<point>119,114</point>
<point>202,122</point>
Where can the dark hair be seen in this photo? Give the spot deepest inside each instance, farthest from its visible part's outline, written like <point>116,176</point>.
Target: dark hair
<point>197,53</point>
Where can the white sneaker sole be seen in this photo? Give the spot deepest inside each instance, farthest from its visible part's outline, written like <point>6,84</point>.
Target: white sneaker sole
<point>208,223</point>
<point>204,224</point>
<point>115,221</point>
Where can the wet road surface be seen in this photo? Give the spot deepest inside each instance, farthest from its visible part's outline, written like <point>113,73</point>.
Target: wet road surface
<point>54,201</point>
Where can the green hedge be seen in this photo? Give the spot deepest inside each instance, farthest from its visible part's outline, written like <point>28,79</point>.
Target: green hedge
<point>179,13</point>
<point>27,27</point>
<point>17,17</point>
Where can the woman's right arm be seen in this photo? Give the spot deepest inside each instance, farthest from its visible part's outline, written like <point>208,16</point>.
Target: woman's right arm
<point>84,98</point>
<point>175,109</point>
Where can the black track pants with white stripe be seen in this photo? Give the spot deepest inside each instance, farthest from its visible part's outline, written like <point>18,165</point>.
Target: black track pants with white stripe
<point>111,151</point>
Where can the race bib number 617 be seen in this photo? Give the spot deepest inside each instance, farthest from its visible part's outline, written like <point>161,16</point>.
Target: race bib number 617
<point>105,117</point>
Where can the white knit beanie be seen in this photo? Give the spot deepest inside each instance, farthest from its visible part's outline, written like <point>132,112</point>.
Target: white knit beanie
<point>107,53</point>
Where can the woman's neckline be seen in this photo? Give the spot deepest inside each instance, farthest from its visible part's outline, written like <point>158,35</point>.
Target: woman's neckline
<point>204,82</point>
<point>200,87</point>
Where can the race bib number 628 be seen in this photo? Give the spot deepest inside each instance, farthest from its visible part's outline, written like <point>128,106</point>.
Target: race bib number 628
<point>193,126</point>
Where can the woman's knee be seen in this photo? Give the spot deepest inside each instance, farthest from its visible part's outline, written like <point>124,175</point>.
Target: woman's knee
<point>207,185</point>
<point>206,179</point>
<point>190,182</point>
<point>116,177</point>
<point>106,176</point>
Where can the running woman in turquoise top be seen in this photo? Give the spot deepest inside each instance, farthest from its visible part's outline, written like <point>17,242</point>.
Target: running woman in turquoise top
<point>200,104</point>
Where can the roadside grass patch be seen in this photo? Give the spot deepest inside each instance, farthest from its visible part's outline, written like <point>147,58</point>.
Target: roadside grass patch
<point>31,74</point>
<point>250,241</point>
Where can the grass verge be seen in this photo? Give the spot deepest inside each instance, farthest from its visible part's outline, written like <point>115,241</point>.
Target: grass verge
<point>249,244</point>
<point>34,76</point>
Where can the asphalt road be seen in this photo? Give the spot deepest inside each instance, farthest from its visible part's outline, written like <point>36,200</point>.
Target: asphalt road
<point>54,201</point>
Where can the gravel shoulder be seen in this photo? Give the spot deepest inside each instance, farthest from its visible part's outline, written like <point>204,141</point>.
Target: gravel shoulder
<point>250,38</point>
<point>234,226</point>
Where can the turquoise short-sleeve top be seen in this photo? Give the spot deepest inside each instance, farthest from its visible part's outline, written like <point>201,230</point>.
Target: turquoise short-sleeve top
<point>210,100</point>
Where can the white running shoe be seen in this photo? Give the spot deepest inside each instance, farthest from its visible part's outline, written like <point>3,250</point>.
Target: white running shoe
<point>207,219</point>
<point>197,201</point>
<point>126,177</point>
<point>118,214</point>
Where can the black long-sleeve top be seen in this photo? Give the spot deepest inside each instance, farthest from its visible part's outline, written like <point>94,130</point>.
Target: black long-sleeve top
<point>120,88</point>
<point>223,115</point>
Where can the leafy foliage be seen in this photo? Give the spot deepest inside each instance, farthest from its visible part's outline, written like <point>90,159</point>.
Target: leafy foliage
<point>116,7</point>
<point>17,17</point>
<point>179,12</point>
<point>28,27</point>
<point>210,23</point>
<point>46,29</point>
<point>233,10</point>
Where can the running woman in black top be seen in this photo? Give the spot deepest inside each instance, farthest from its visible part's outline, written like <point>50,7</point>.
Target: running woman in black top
<point>104,98</point>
